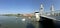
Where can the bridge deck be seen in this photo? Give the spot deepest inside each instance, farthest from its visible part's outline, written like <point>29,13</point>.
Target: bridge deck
<point>50,17</point>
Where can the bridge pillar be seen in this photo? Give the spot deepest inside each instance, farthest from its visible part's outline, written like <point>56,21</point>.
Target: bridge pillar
<point>41,9</point>
<point>37,16</point>
<point>52,10</point>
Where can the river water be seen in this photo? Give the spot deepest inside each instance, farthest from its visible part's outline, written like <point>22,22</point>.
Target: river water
<point>13,22</point>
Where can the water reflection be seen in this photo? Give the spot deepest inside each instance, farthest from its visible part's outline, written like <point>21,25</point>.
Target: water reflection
<point>0,25</point>
<point>29,25</point>
<point>18,23</point>
<point>57,24</point>
<point>44,24</point>
<point>34,25</point>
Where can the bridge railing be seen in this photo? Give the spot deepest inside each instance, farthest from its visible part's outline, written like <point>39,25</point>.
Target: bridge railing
<point>56,13</point>
<point>55,16</point>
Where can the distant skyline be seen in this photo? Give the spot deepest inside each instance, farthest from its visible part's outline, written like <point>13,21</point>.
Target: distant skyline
<point>26,6</point>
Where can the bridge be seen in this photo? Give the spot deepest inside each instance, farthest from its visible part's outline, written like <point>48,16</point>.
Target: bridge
<point>50,15</point>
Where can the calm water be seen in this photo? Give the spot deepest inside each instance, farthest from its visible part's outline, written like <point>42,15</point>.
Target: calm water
<point>13,22</point>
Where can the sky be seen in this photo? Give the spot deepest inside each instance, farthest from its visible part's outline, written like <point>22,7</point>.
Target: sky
<point>26,6</point>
